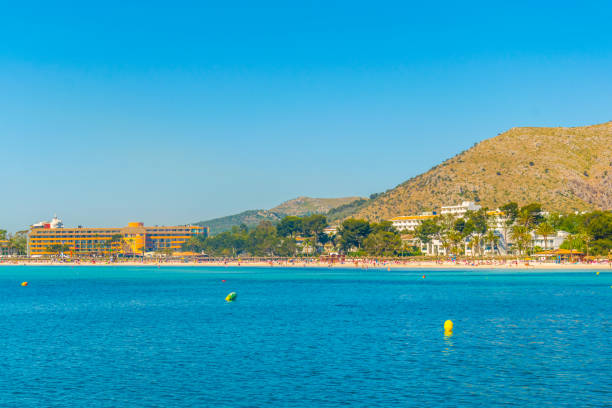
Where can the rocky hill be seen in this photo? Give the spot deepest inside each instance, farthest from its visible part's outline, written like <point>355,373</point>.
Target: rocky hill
<point>565,169</point>
<point>298,206</point>
<point>308,205</point>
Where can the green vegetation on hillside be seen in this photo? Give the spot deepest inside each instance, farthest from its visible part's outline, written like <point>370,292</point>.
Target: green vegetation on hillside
<point>300,206</point>
<point>251,218</point>
<point>345,211</point>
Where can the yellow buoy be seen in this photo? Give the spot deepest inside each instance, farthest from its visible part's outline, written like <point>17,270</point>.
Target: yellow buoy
<point>598,272</point>
<point>24,283</point>
<point>448,326</point>
<point>231,297</point>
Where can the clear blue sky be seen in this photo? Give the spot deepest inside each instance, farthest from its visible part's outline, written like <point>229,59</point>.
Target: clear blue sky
<point>182,111</point>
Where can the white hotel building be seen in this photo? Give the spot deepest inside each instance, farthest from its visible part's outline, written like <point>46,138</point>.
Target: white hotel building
<point>435,247</point>
<point>410,222</point>
<point>460,210</point>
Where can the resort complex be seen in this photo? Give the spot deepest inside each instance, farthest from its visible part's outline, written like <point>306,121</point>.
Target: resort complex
<point>499,240</point>
<point>459,230</point>
<point>48,238</point>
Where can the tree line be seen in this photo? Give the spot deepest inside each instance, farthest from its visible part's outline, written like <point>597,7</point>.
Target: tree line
<point>294,236</point>
<point>16,243</point>
<point>481,231</point>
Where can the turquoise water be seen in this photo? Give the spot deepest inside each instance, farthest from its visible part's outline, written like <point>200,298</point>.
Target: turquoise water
<point>150,337</point>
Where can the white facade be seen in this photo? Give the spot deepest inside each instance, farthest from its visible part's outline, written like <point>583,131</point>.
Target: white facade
<point>552,242</point>
<point>433,248</point>
<point>485,248</point>
<point>497,220</point>
<point>410,222</point>
<point>460,210</point>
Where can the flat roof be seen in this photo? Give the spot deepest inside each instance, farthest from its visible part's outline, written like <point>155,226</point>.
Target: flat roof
<point>413,217</point>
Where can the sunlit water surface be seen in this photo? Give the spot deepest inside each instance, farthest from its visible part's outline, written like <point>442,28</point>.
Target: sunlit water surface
<point>121,336</point>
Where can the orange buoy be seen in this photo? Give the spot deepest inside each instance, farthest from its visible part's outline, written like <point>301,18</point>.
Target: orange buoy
<point>223,280</point>
<point>423,276</point>
<point>24,283</point>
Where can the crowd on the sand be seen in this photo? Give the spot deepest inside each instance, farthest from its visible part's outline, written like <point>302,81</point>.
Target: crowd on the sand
<point>317,262</point>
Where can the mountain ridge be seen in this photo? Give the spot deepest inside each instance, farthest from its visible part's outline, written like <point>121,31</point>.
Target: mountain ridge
<point>299,206</point>
<point>565,168</point>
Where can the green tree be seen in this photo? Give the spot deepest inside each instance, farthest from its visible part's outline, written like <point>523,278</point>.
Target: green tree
<point>352,232</point>
<point>598,225</point>
<point>383,243</point>
<point>287,247</point>
<point>455,239</point>
<point>530,215</point>
<point>572,242</point>
<point>446,222</point>
<point>545,229</point>
<point>194,243</point>
<point>475,241</point>
<point>459,225</point>
<point>584,239</point>
<point>520,235</point>
<point>18,242</point>
<point>511,211</point>
<point>426,231</point>
<point>262,240</point>
<point>492,239</point>
<point>58,248</point>
<point>386,226</point>
<point>314,224</point>
<point>478,221</point>
<point>290,226</point>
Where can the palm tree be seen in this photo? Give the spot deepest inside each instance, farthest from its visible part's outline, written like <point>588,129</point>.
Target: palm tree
<point>492,238</point>
<point>475,243</point>
<point>452,238</point>
<point>586,238</point>
<point>571,240</point>
<point>545,229</point>
<point>446,222</point>
<point>520,235</point>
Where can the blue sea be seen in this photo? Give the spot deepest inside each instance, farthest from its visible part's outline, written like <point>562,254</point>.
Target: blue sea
<point>165,337</point>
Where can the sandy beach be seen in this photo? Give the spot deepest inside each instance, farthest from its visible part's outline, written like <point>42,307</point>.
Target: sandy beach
<point>363,264</point>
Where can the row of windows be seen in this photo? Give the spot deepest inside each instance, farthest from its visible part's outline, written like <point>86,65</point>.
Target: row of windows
<point>41,236</point>
<point>61,231</point>
<point>72,231</point>
<point>95,245</point>
<point>101,241</point>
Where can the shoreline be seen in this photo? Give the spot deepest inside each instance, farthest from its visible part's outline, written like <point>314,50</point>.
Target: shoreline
<point>534,265</point>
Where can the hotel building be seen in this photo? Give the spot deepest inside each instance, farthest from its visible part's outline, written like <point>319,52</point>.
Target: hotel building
<point>135,238</point>
<point>410,222</point>
<point>460,209</point>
